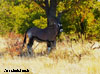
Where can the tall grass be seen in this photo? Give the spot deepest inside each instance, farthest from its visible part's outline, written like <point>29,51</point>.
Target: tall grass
<point>68,58</point>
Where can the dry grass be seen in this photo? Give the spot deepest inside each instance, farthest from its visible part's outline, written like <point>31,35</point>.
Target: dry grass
<point>69,58</point>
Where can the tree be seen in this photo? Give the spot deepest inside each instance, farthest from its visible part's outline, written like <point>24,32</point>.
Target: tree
<point>50,7</point>
<point>19,15</point>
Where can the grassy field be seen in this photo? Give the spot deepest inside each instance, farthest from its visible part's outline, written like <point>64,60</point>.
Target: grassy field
<point>68,58</point>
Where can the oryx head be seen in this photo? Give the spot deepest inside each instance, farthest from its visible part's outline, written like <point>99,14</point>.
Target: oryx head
<point>60,27</point>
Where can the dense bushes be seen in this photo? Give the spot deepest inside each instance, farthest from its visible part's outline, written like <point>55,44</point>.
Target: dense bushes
<point>19,15</point>
<point>17,18</point>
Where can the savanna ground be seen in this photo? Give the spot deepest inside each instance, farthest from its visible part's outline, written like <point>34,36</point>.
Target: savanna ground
<point>68,58</point>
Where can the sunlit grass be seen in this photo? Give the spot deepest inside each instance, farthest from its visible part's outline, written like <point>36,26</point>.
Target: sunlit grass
<point>75,58</point>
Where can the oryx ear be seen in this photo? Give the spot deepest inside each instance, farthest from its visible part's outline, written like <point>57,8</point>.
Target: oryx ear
<point>61,30</point>
<point>58,24</point>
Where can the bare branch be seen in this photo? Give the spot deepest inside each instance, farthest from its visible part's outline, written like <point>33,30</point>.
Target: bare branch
<point>47,7</point>
<point>46,3</point>
<point>41,5</point>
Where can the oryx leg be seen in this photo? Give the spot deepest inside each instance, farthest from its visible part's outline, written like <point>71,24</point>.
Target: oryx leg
<point>53,45</point>
<point>29,47</point>
<point>48,47</point>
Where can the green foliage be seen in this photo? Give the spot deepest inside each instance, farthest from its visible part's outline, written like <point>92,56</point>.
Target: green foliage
<point>18,18</point>
<point>61,6</point>
<point>19,15</point>
<point>40,23</point>
<point>89,11</point>
<point>97,13</point>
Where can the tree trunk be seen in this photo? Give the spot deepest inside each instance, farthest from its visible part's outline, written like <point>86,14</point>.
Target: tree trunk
<point>50,8</point>
<point>51,12</point>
